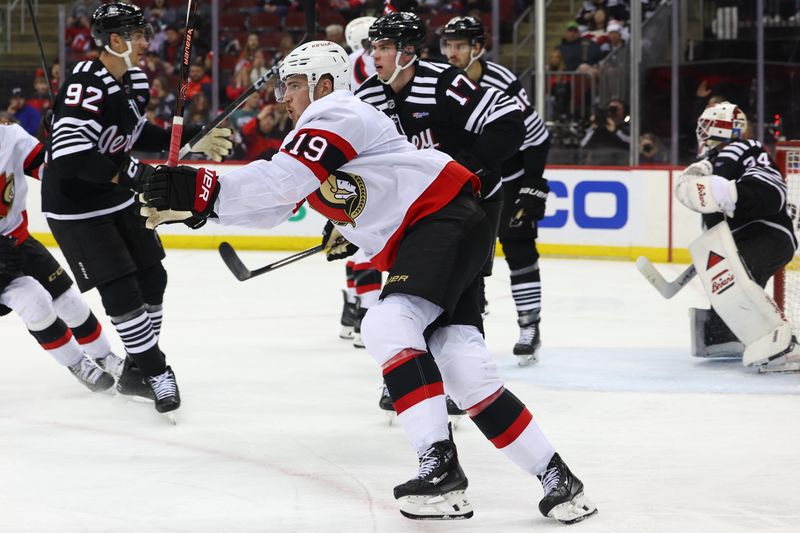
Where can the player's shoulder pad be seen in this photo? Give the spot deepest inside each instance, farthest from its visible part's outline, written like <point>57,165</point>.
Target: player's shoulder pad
<point>93,74</point>
<point>501,71</point>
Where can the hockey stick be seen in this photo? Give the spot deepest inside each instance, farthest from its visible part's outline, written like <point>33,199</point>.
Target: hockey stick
<point>41,51</point>
<point>668,289</point>
<point>310,11</point>
<point>177,119</point>
<point>242,273</point>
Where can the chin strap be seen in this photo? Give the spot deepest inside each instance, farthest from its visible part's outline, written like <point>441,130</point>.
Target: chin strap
<point>473,58</point>
<point>399,68</point>
<point>126,56</point>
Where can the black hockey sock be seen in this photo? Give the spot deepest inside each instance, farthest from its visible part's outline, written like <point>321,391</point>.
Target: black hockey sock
<point>136,332</point>
<point>501,418</point>
<point>526,288</point>
<point>411,378</point>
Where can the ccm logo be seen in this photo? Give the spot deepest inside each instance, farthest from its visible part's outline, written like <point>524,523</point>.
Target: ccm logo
<point>206,184</point>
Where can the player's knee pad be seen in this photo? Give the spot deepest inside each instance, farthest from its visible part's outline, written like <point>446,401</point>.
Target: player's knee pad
<point>469,373</point>
<point>520,254</point>
<point>121,296</point>
<point>396,323</point>
<point>153,283</point>
<point>741,303</point>
<point>71,306</point>
<point>28,299</point>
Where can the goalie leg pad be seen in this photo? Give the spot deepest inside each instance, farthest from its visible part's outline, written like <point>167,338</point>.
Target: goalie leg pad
<point>741,303</point>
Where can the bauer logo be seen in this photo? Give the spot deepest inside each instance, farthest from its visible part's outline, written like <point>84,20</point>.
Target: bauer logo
<point>590,204</point>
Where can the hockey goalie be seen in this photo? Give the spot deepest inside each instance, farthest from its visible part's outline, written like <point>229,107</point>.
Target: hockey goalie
<point>740,192</point>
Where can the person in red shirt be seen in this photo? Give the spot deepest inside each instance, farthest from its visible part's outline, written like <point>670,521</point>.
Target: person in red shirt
<point>261,136</point>
<point>198,79</point>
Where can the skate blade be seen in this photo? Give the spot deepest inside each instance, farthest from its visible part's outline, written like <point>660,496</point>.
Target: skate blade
<point>577,509</point>
<point>527,360</point>
<point>170,416</point>
<point>456,420</point>
<point>346,333</point>
<point>390,416</point>
<point>449,506</point>
<point>780,368</point>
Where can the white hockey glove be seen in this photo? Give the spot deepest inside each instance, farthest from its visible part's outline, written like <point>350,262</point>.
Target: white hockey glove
<point>707,194</point>
<point>216,144</point>
<point>701,168</point>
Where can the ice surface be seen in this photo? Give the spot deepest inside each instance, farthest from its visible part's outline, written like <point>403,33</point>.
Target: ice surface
<point>280,430</point>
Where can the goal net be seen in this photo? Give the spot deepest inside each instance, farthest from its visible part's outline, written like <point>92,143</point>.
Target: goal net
<point>787,281</point>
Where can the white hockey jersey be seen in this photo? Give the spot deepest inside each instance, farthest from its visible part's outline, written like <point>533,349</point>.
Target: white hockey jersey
<point>347,160</point>
<point>363,66</point>
<point>19,153</point>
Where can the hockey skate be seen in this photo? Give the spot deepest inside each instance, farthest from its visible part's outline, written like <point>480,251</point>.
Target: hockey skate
<point>386,404</point>
<point>360,313</point>
<point>787,362</point>
<point>563,494</point>
<point>88,373</point>
<point>454,412</point>
<point>131,381</point>
<point>529,341</point>
<point>111,363</point>
<point>348,318</point>
<point>437,492</point>
<point>165,390</point>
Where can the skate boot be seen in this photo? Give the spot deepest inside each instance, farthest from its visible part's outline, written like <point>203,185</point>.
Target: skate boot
<point>88,373</point>
<point>453,411</point>
<point>131,381</point>
<point>111,363</point>
<point>386,405</point>
<point>529,339</point>
<point>437,492</point>
<point>165,390</point>
<point>348,318</point>
<point>360,314</point>
<point>563,494</point>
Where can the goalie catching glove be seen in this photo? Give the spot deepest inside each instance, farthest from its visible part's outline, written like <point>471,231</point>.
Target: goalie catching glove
<point>178,194</point>
<point>335,245</point>
<point>216,144</point>
<point>701,191</point>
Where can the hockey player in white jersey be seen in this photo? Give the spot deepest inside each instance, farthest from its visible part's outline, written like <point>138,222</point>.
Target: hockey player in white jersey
<point>414,214</point>
<point>742,196</point>
<point>357,35</point>
<point>34,285</point>
<point>524,186</point>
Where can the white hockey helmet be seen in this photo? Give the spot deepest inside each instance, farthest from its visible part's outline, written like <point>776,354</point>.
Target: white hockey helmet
<point>721,123</point>
<point>313,60</point>
<point>357,32</point>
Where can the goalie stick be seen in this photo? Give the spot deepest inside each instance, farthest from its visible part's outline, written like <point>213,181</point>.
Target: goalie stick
<point>242,273</point>
<point>668,289</point>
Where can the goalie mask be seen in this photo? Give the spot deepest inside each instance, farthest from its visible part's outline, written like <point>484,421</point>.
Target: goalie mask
<point>313,60</point>
<point>122,19</point>
<point>357,32</point>
<point>465,28</point>
<point>405,29</point>
<point>719,124</point>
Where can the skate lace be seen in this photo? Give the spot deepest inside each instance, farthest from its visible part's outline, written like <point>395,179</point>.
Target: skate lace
<point>111,364</point>
<point>527,334</point>
<point>163,385</point>
<point>550,480</point>
<point>86,371</point>
<point>428,462</point>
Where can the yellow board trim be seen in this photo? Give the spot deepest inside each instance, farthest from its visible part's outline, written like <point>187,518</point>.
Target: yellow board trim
<point>261,242</point>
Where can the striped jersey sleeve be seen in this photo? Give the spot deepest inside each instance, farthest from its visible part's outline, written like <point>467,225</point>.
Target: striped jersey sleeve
<point>499,77</point>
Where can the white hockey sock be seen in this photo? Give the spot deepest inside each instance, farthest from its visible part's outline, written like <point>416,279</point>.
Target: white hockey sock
<point>73,309</point>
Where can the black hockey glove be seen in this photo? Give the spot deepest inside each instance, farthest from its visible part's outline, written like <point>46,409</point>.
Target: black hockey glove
<point>11,259</point>
<point>181,188</point>
<point>132,173</point>
<point>336,246</point>
<point>531,200</point>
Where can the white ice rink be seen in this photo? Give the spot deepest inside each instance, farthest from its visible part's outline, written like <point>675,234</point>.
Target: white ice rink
<point>280,430</point>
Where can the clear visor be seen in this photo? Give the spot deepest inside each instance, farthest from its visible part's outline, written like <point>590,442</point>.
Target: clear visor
<point>449,46</point>
<point>144,33</point>
<point>290,86</point>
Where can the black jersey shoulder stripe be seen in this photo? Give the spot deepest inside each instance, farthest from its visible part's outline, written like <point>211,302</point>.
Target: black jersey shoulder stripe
<point>501,71</point>
<point>365,90</point>
<point>422,100</point>
<point>436,67</point>
<point>475,121</point>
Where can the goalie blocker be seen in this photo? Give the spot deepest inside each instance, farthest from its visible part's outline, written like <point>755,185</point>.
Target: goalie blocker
<point>741,302</point>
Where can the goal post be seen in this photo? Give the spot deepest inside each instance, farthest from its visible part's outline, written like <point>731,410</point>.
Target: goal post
<point>786,284</point>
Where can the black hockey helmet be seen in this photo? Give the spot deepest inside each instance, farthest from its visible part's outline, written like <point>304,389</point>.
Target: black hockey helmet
<point>403,28</point>
<point>468,28</point>
<point>119,18</point>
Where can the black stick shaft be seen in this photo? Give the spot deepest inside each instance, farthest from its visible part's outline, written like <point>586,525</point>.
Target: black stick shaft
<point>41,50</point>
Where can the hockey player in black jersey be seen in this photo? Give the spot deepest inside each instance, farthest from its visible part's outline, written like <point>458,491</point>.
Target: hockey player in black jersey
<point>87,198</point>
<point>742,196</point>
<point>524,187</point>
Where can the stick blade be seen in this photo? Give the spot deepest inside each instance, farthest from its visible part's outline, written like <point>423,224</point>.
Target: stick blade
<point>233,262</point>
<point>648,270</point>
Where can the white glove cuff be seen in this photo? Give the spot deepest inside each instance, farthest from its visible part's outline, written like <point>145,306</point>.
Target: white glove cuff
<point>725,194</point>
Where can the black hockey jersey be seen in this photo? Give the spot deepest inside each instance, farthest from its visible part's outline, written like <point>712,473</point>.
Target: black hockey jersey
<point>499,77</point>
<point>442,108</point>
<point>97,121</point>
<point>759,184</point>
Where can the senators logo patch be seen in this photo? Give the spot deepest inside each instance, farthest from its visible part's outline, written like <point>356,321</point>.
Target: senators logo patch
<point>7,197</point>
<point>340,198</point>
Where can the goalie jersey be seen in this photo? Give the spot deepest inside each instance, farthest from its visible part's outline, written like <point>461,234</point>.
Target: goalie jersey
<point>347,160</point>
<point>759,184</point>
<point>97,121</point>
<point>20,155</point>
<point>442,108</point>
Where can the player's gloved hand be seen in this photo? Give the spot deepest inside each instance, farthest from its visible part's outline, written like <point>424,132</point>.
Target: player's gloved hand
<point>532,200</point>
<point>11,259</point>
<point>216,144</point>
<point>335,245</point>
<point>707,194</point>
<point>191,191</point>
<point>132,173</point>
<point>700,168</point>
